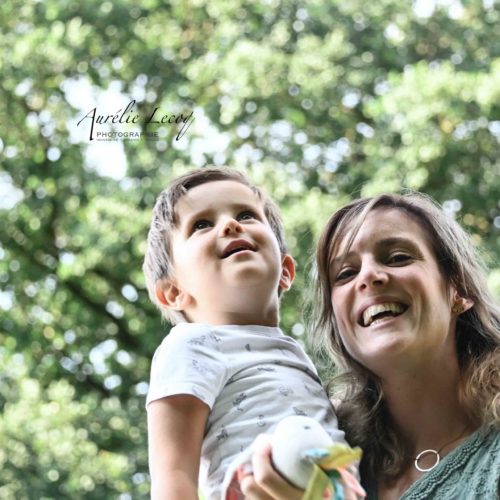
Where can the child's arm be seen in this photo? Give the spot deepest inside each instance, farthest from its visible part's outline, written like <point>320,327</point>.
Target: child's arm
<point>176,425</point>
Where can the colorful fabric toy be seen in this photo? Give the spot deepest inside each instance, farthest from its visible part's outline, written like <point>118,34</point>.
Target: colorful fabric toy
<point>304,453</point>
<point>331,465</point>
<point>306,456</point>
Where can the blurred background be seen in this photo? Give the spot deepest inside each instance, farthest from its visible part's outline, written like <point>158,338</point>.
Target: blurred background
<point>318,101</point>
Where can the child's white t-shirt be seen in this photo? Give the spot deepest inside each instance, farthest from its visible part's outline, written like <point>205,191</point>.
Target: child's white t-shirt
<point>250,376</point>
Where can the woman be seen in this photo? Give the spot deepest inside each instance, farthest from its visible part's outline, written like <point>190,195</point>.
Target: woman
<point>404,309</point>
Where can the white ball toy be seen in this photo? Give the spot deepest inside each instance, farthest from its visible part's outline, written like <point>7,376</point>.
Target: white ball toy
<point>292,436</point>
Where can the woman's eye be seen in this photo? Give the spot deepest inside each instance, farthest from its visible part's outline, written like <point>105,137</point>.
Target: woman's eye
<point>345,274</point>
<point>399,258</point>
<point>201,224</point>
<point>247,215</point>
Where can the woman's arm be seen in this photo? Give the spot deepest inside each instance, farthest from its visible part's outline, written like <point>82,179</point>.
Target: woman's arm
<point>176,425</point>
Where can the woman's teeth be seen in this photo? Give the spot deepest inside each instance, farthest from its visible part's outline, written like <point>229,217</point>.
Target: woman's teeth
<point>390,309</point>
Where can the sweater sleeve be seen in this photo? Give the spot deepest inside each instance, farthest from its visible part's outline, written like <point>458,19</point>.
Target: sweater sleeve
<point>187,362</point>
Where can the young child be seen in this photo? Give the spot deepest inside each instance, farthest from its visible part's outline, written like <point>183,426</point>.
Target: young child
<point>215,265</point>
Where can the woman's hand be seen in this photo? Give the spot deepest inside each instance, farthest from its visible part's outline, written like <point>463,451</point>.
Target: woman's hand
<point>264,483</point>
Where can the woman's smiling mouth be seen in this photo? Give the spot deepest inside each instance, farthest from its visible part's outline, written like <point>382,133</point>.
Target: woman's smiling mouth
<point>377,312</point>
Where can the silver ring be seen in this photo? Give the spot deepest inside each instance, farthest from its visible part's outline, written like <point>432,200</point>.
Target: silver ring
<point>423,453</point>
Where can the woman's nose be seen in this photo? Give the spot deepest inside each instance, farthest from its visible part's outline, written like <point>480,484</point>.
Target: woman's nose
<point>230,225</point>
<point>372,274</point>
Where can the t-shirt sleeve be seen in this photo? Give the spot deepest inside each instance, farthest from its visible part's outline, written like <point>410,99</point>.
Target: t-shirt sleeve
<point>187,362</point>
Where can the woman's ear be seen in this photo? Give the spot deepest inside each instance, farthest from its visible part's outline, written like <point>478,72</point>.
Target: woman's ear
<point>171,296</point>
<point>287,272</point>
<point>460,304</point>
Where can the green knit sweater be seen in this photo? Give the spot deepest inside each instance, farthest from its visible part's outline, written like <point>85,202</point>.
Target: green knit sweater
<point>470,472</point>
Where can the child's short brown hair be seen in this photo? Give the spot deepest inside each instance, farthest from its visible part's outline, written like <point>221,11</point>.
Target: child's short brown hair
<point>158,258</point>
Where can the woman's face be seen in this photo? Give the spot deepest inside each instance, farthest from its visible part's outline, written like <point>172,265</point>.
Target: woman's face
<point>391,304</point>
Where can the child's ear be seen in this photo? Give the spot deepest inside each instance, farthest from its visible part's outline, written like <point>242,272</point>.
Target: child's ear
<point>287,272</point>
<point>170,295</point>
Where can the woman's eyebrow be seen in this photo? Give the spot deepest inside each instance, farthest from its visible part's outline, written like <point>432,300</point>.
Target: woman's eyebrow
<point>395,240</point>
<point>400,241</point>
<point>382,243</point>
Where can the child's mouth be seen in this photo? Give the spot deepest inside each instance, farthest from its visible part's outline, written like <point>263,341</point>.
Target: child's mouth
<point>236,247</point>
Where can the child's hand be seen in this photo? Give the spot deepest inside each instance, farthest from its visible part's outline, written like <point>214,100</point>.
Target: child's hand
<point>349,493</point>
<point>264,483</point>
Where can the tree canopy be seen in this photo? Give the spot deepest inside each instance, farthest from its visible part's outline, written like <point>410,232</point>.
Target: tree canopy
<point>318,102</point>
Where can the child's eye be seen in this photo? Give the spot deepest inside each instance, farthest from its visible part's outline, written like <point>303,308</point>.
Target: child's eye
<point>247,215</point>
<point>201,224</point>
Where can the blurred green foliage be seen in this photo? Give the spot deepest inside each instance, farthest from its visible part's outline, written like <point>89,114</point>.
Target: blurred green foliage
<point>318,102</point>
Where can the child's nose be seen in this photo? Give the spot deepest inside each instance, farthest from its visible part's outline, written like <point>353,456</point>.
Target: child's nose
<point>229,226</point>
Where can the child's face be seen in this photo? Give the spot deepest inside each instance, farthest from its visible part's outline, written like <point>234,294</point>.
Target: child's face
<point>226,259</point>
